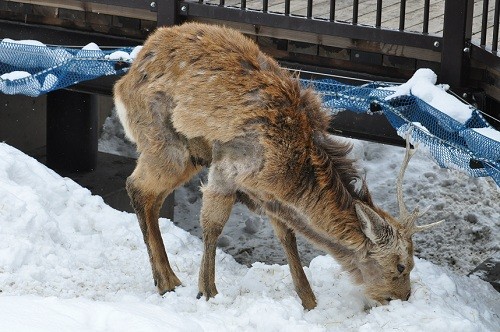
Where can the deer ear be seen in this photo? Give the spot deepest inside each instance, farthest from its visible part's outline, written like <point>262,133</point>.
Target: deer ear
<point>374,226</point>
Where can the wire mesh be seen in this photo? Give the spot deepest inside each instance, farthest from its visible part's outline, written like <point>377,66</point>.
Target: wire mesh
<point>33,68</point>
<point>36,69</point>
<point>451,143</point>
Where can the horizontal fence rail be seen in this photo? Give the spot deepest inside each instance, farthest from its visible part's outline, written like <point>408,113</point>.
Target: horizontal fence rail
<point>425,17</point>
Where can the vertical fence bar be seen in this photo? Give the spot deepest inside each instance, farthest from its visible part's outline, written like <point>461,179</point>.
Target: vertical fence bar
<point>309,8</point>
<point>494,44</point>
<point>378,19</point>
<point>287,7</point>
<point>484,22</point>
<point>427,5</point>
<point>402,14</point>
<point>243,4</point>
<point>167,12</point>
<point>332,10</point>
<point>265,5</point>
<point>457,30</point>
<point>355,8</point>
<point>222,3</point>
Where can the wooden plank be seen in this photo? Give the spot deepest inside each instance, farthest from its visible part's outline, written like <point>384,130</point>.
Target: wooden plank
<point>477,22</point>
<point>436,14</point>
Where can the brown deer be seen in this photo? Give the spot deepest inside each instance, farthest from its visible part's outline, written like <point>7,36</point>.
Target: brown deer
<point>200,95</point>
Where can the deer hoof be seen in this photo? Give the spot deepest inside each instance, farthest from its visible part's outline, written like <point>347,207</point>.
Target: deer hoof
<point>164,286</point>
<point>309,304</point>
<point>208,294</point>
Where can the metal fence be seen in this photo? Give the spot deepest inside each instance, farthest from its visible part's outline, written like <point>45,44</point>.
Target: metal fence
<point>378,38</point>
<point>424,16</point>
<point>456,38</point>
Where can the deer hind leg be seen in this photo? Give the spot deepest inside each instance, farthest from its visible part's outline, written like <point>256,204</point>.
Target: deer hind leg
<point>149,184</point>
<point>287,238</point>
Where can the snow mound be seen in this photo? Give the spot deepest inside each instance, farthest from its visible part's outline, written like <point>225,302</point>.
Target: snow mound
<point>70,262</point>
<point>422,85</point>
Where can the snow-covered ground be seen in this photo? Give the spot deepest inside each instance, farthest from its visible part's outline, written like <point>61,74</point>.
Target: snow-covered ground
<point>69,262</point>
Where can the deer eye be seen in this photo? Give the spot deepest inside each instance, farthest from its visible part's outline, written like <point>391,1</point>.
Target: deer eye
<point>401,268</point>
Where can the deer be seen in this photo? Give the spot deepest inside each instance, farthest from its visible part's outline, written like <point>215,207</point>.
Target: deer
<point>205,96</point>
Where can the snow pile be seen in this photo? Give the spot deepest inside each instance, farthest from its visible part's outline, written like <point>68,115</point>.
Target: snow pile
<point>70,262</point>
<point>423,85</point>
<point>124,56</point>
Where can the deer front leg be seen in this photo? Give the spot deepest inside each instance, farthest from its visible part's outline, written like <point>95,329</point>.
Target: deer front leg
<point>215,212</point>
<point>287,238</point>
<point>147,207</point>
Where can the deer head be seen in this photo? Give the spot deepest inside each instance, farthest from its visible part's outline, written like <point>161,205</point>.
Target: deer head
<point>385,265</point>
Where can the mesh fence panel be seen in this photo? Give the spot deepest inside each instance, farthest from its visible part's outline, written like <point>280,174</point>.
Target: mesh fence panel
<point>37,69</point>
<point>33,70</point>
<point>451,143</point>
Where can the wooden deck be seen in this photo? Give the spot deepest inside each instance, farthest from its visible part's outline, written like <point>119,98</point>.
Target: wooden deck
<point>390,13</point>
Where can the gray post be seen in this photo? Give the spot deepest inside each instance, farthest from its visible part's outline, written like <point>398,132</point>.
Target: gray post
<point>455,55</point>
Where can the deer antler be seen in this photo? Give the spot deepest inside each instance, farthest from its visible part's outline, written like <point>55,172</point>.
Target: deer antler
<point>406,218</point>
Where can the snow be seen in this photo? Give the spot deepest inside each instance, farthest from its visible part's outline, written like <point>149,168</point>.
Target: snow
<point>489,132</point>
<point>124,56</point>
<point>70,262</point>
<point>91,47</point>
<point>118,55</point>
<point>23,42</point>
<point>15,75</point>
<point>423,85</point>
<point>135,51</point>
<point>419,126</point>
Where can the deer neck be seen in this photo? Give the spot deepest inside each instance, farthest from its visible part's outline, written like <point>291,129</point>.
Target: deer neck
<point>321,211</point>
<point>336,232</point>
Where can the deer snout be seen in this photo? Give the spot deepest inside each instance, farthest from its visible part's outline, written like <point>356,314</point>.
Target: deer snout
<point>404,298</point>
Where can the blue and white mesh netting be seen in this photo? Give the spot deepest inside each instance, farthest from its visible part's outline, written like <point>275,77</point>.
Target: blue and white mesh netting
<point>31,68</point>
<point>452,143</point>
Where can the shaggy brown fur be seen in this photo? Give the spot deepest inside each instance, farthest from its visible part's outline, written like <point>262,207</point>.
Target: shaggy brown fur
<point>200,95</point>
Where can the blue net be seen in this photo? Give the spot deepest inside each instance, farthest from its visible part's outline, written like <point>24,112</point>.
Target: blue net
<point>34,69</point>
<point>451,143</point>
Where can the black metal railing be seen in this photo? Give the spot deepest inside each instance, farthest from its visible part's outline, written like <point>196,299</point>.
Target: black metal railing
<point>446,33</point>
<point>449,27</point>
<point>393,14</point>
